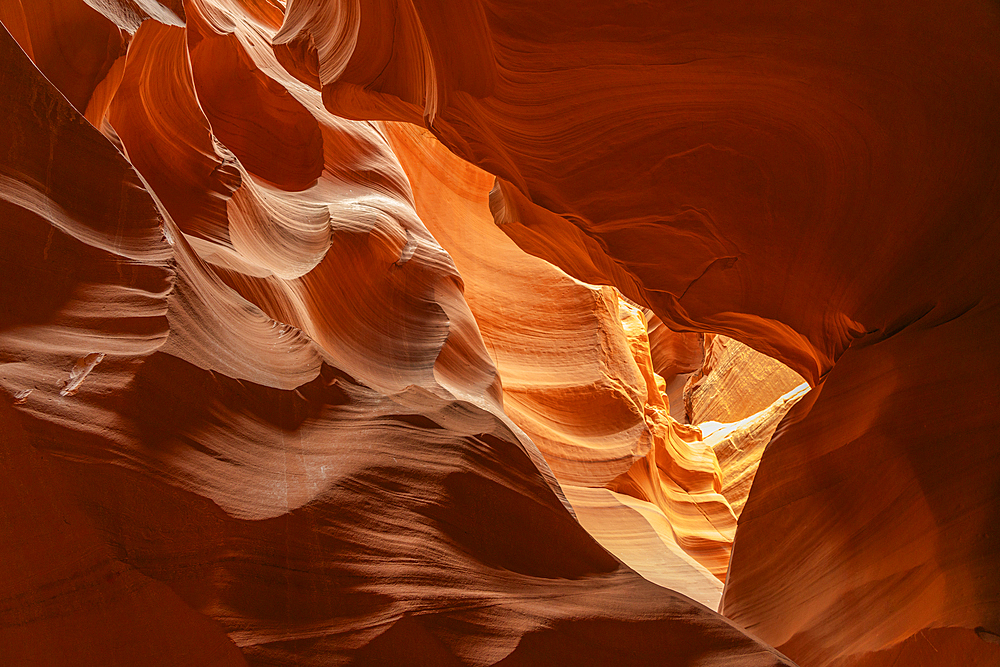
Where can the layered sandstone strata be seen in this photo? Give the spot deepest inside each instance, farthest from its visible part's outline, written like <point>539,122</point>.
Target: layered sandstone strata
<point>818,181</point>
<point>250,417</point>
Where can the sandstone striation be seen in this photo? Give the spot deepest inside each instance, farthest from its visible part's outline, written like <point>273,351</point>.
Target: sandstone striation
<point>251,418</point>
<point>740,445</point>
<point>734,382</point>
<point>578,379</point>
<point>287,383</point>
<point>817,181</point>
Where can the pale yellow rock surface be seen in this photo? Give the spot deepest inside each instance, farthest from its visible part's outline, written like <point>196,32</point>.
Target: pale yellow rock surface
<point>735,382</point>
<point>739,446</point>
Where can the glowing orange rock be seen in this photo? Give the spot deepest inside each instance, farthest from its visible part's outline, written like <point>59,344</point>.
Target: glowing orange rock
<point>819,184</point>
<point>578,378</point>
<point>270,428</point>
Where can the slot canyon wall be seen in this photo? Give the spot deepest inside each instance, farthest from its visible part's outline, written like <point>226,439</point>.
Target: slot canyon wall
<point>497,332</point>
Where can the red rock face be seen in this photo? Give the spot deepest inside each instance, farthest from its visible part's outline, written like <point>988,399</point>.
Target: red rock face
<point>255,411</point>
<point>816,180</point>
<point>611,117</point>
<point>249,416</point>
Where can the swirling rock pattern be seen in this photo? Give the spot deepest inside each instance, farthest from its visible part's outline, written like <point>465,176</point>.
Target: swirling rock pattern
<point>253,419</point>
<point>578,379</point>
<point>816,180</point>
<point>249,416</point>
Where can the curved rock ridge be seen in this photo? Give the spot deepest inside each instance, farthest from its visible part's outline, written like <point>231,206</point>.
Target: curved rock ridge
<point>577,377</point>
<point>248,414</point>
<point>817,181</point>
<point>903,507</point>
<point>281,225</point>
<point>681,473</point>
<point>130,14</point>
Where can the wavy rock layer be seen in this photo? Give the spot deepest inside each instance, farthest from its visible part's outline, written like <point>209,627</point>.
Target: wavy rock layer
<point>252,420</point>
<point>578,378</point>
<point>817,181</point>
<point>721,397</point>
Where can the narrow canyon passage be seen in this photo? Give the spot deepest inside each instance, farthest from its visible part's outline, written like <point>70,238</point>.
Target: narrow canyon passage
<point>583,377</point>
<point>498,332</point>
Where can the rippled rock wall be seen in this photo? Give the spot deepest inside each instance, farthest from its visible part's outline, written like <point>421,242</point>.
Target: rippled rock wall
<point>270,400</point>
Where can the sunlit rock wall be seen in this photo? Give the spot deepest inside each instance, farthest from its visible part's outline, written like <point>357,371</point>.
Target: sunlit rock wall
<point>816,180</point>
<point>249,416</point>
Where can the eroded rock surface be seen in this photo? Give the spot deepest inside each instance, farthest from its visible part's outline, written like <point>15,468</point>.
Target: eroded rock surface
<point>578,378</point>
<point>252,417</point>
<point>817,181</point>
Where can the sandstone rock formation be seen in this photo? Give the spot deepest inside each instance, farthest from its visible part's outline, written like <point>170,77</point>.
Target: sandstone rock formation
<point>676,358</point>
<point>256,414</point>
<point>739,446</point>
<point>734,382</point>
<point>738,399</point>
<point>818,181</point>
<point>250,418</point>
<point>577,377</point>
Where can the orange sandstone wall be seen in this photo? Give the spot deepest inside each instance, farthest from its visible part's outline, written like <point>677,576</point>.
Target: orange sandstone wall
<point>578,378</point>
<point>817,180</point>
<point>248,417</point>
<point>245,379</point>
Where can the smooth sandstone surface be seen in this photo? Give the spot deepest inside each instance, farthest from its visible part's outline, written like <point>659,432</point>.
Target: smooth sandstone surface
<point>816,180</point>
<point>577,377</point>
<point>256,413</point>
<point>249,417</point>
<point>904,509</point>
